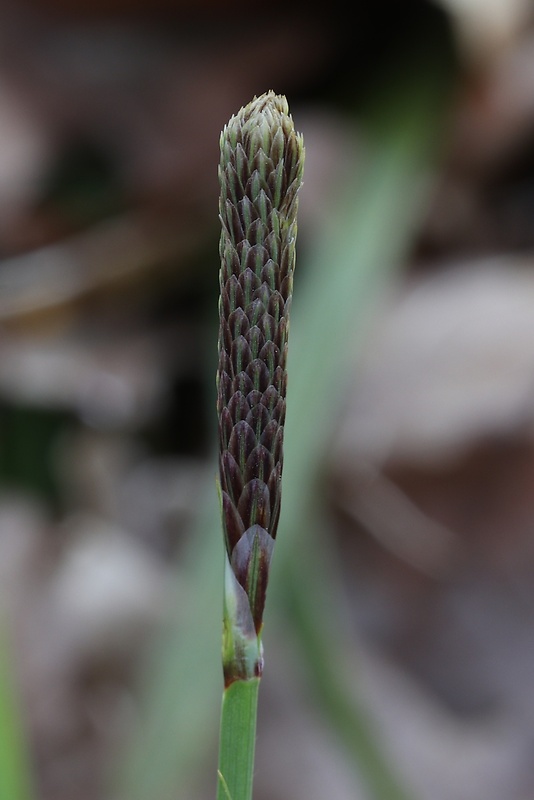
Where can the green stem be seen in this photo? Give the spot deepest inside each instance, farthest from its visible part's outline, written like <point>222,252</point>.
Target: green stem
<point>238,740</point>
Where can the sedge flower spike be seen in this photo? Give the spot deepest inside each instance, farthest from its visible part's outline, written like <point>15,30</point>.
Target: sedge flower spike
<point>260,173</point>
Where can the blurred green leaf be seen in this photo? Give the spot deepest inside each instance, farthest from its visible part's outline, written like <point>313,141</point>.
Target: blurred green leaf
<point>15,777</point>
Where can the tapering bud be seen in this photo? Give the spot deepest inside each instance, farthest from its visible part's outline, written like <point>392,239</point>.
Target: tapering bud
<point>260,174</point>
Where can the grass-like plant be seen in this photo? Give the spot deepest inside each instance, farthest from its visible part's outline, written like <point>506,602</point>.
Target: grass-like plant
<point>372,217</point>
<point>262,159</point>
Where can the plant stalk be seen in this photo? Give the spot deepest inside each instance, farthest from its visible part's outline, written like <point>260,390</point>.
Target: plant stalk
<point>260,174</point>
<point>237,740</point>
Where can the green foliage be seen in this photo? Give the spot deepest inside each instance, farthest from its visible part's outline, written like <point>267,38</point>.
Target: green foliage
<point>14,758</point>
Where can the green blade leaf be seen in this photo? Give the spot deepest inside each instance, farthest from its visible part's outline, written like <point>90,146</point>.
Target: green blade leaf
<point>15,779</point>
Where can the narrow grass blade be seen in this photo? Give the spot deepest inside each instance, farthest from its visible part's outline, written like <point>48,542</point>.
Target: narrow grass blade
<point>15,779</point>
<point>182,679</point>
<point>366,242</point>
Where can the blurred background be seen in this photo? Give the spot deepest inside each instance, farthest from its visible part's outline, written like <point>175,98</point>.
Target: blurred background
<point>399,661</point>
